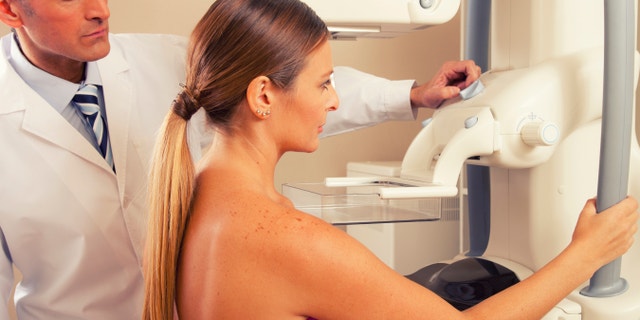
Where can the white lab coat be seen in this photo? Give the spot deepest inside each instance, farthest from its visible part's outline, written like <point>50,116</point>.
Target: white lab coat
<point>72,227</point>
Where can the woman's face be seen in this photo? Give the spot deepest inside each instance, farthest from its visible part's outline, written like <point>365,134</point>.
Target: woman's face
<point>310,99</point>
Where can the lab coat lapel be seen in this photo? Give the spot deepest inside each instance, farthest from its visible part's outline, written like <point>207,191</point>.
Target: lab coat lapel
<point>41,120</point>
<point>118,97</point>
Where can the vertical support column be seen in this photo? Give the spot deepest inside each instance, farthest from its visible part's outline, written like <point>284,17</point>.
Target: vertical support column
<point>476,48</point>
<point>617,117</point>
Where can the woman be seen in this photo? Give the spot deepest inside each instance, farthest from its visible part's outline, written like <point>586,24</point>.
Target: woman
<point>224,244</point>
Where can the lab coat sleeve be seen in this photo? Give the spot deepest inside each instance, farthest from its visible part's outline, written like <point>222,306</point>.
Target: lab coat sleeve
<point>366,100</point>
<point>200,136</point>
<point>6,276</point>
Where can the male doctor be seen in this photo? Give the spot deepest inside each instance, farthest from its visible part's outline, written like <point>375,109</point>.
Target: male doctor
<point>72,222</point>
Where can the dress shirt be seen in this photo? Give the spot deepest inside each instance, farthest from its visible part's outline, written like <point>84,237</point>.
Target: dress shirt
<point>59,92</point>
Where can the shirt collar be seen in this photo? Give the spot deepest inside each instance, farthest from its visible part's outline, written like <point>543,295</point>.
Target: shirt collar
<point>56,91</point>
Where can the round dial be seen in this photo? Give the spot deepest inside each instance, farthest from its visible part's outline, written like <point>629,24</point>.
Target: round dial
<point>540,133</point>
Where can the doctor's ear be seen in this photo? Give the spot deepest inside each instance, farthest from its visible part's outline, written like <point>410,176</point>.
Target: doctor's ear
<point>9,13</point>
<point>260,96</point>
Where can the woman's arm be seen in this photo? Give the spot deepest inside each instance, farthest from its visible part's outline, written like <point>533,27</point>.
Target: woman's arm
<point>335,277</point>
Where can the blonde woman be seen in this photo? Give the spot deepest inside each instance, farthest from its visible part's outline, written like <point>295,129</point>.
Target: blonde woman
<point>224,244</point>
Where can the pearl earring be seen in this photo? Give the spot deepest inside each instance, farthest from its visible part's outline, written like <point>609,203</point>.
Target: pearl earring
<point>263,114</point>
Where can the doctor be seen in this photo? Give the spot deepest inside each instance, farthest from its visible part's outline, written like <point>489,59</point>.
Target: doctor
<point>72,207</point>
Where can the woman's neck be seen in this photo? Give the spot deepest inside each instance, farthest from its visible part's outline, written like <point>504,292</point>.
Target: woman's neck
<point>250,160</point>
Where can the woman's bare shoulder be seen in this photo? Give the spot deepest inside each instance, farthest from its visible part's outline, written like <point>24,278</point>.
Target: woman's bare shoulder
<point>317,269</point>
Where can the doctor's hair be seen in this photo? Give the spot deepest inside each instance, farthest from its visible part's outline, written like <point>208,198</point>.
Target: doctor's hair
<point>235,42</point>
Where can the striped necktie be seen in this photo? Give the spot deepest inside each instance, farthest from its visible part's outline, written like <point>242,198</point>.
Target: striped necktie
<point>87,101</point>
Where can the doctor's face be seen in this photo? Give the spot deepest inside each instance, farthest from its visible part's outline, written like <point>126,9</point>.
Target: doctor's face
<point>56,34</point>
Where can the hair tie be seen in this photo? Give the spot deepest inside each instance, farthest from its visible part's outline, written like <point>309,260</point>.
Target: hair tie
<point>185,105</point>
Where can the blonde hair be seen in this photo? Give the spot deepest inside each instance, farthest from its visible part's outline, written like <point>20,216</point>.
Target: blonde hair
<point>172,177</point>
<point>235,42</point>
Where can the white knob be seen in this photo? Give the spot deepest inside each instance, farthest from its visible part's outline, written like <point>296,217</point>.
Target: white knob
<point>540,133</point>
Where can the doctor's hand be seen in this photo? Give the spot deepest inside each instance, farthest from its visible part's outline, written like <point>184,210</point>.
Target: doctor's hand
<point>452,77</point>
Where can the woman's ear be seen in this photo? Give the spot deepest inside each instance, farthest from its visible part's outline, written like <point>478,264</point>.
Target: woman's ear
<point>9,14</point>
<point>260,96</point>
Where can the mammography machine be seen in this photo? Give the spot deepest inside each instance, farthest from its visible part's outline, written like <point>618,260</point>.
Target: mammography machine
<point>537,122</point>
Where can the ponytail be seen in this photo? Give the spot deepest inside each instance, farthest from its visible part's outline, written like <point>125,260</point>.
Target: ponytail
<point>171,186</point>
<point>234,42</point>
